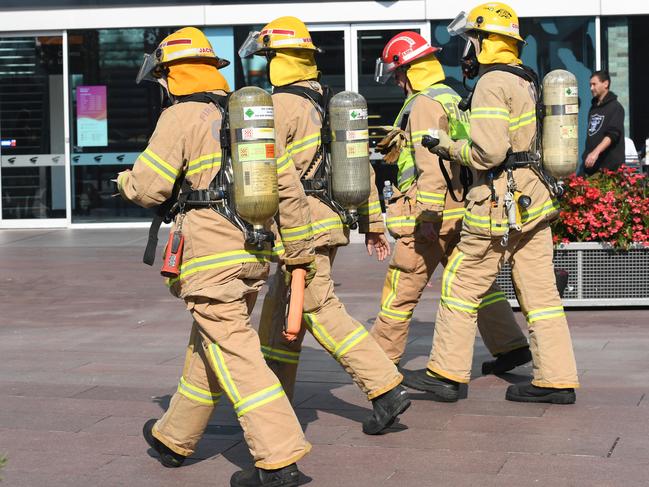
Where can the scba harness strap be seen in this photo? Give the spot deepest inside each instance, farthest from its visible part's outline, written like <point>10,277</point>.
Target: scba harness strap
<point>183,198</point>
<point>316,179</point>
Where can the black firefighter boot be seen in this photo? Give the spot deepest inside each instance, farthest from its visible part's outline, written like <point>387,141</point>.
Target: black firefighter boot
<point>168,457</point>
<point>532,393</point>
<point>442,389</point>
<point>386,409</point>
<point>258,477</point>
<point>507,361</point>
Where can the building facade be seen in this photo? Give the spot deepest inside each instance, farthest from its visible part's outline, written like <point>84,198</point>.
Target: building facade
<point>71,115</point>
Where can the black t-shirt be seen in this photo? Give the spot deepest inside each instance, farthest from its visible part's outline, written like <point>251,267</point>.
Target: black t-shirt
<point>604,120</point>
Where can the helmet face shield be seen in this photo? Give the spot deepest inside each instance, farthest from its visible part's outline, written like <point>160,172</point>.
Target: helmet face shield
<point>149,65</point>
<point>383,71</point>
<point>459,25</point>
<point>251,45</point>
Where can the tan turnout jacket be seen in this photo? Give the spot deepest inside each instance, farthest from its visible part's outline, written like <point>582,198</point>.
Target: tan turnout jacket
<point>503,118</point>
<point>215,252</point>
<point>297,130</point>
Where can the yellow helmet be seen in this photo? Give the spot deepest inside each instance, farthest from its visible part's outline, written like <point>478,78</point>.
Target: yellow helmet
<point>492,17</point>
<point>188,43</point>
<point>281,33</point>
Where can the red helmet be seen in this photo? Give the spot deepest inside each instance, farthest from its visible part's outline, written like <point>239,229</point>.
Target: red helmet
<point>401,50</point>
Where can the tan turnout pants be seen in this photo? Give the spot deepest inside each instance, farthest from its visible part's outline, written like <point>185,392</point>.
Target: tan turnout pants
<point>326,318</point>
<point>471,270</point>
<point>223,356</point>
<point>412,264</point>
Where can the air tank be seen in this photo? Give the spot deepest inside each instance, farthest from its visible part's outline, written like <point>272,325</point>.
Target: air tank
<point>560,123</point>
<point>252,136</point>
<point>350,162</point>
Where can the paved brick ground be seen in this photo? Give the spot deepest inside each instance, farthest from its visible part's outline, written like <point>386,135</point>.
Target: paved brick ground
<point>91,346</point>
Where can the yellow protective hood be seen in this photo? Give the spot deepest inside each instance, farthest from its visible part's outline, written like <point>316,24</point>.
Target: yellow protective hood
<point>292,65</point>
<point>194,77</point>
<point>425,72</point>
<point>497,49</point>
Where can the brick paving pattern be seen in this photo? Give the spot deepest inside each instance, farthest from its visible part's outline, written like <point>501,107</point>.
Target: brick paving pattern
<point>91,346</point>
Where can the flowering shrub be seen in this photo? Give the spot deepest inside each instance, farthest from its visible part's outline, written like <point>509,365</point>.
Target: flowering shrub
<point>610,207</point>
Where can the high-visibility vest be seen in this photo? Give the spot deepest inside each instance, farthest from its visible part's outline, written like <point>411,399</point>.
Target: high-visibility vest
<point>458,123</point>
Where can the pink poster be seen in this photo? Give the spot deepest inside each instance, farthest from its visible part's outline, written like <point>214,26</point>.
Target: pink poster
<point>92,116</point>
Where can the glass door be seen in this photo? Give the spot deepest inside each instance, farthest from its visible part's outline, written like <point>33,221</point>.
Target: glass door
<point>383,101</point>
<point>32,131</point>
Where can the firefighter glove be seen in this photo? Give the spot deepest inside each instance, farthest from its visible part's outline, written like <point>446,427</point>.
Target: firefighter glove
<point>439,144</point>
<point>392,144</point>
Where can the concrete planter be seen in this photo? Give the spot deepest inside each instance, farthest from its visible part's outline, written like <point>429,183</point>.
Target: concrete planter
<point>599,275</point>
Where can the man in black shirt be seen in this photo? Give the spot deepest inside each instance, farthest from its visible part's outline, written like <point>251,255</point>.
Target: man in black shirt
<point>605,137</point>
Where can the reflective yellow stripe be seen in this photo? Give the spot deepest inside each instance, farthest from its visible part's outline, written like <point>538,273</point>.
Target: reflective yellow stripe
<point>278,355</point>
<point>223,259</point>
<point>321,226</point>
<point>459,304</point>
<point>278,249</point>
<point>490,113</point>
<point>319,332</point>
<point>368,208</point>
<point>479,221</point>
<point>449,273</point>
<point>398,221</point>
<point>304,143</point>
<point>283,163</point>
<point>490,299</point>
<point>417,136</point>
<point>395,314</point>
<point>197,394</point>
<point>349,341</point>
<point>525,119</point>
<point>533,213</point>
<point>545,314</point>
<point>428,197</point>
<point>258,399</point>
<point>159,169</point>
<point>453,214</point>
<point>222,372</point>
<point>394,282</point>
<point>296,233</point>
<point>465,154</point>
<point>203,163</point>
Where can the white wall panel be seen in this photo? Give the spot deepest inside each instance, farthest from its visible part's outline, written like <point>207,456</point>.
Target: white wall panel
<point>438,9</point>
<point>346,12</point>
<point>34,20</point>
<point>625,7</point>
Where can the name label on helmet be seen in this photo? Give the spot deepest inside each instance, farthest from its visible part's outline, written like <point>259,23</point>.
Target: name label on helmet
<point>258,113</point>
<point>358,114</point>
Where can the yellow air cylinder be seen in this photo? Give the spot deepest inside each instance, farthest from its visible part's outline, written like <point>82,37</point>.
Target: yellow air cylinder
<point>350,162</point>
<point>252,135</point>
<point>560,123</point>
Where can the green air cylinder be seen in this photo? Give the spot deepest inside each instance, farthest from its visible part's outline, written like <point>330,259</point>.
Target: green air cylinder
<point>560,123</point>
<point>252,135</point>
<point>350,162</point>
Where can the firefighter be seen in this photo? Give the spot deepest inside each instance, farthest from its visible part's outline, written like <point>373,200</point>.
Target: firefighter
<point>507,215</point>
<point>220,274</point>
<point>425,214</point>
<point>297,97</point>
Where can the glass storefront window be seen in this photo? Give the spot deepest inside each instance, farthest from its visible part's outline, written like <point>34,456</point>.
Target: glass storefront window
<point>32,147</point>
<point>112,118</point>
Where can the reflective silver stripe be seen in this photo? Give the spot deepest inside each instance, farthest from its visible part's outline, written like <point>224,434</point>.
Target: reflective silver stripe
<point>545,314</point>
<point>258,399</point>
<point>349,341</point>
<point>433,92</point>
<point>407,173</point>
<point>197,394</point>
<point>222,372</point>
<point>280,355</point>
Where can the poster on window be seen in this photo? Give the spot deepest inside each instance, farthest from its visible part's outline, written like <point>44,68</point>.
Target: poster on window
<point>92,116</point>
